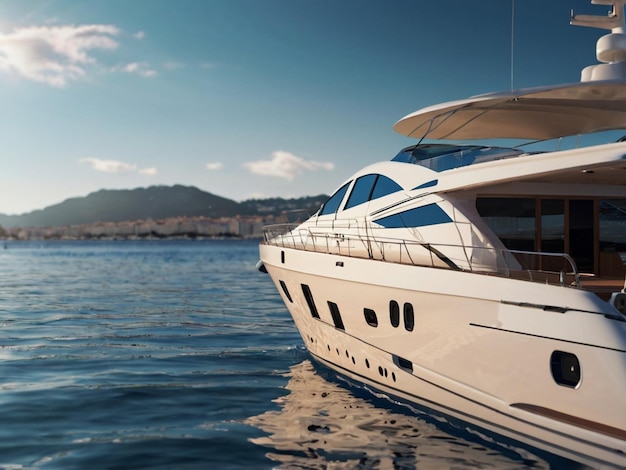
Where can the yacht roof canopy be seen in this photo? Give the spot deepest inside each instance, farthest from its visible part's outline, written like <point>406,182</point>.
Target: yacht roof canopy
<point>532,113</point>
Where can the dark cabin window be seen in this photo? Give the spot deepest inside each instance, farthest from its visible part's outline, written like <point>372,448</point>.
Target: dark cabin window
<point>370,317</point>
<point>394,313</point>
<point>552,225</point>
<point>409,317</point>
<point>581,233</point>
<point>511,219</point>
<point>285,290</point>
<point>612,225</point>
<point>334,312</point>
<point>309,300</point>
<point>565,369</point>
<point>612,235</point>
<point>332,204</point>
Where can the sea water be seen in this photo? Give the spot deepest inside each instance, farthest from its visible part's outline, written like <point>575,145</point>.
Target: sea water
<point>180,354</point>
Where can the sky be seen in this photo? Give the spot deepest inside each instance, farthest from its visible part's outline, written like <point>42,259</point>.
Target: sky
<point>249,98</point>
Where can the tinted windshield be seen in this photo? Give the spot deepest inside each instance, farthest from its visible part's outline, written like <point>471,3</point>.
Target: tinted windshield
<point>441,157</point>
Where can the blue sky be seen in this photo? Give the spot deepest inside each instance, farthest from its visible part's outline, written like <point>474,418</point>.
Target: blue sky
<point>248,98</point>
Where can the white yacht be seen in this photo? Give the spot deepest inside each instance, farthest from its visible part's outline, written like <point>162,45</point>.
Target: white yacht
<point>482,282</point>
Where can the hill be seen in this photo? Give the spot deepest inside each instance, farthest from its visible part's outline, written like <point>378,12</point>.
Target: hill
<point>155,202</point>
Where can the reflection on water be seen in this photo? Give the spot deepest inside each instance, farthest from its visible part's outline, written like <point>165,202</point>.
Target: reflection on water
<point>322,425</point>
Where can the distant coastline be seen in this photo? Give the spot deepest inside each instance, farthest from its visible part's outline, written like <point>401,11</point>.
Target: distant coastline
<point>153,213</point>
<point>175,227</point>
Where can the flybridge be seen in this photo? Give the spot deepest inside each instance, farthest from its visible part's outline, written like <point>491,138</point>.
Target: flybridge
<point>596,103</point>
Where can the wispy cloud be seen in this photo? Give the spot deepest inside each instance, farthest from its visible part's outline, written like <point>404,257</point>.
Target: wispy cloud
<point>286,165</point>
<point>115,166</point>
<point>148,171</point>
<point>139,35</point>
<point>214,166</point>
<point>139,68</point>
<point>54,55</point>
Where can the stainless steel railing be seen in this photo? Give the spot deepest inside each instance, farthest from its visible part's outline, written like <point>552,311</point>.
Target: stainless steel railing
<point>367,242</point>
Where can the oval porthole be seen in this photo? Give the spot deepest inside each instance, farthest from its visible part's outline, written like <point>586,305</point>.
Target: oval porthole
<point>409,318</point>
<point>370,317</point>
<point>565,369</point>
<point>394,313</point>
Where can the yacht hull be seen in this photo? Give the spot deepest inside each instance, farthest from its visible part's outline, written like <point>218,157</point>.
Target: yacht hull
<point>479,348</point>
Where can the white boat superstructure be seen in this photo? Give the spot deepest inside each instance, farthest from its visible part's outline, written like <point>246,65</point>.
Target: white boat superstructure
<point>483,282</point>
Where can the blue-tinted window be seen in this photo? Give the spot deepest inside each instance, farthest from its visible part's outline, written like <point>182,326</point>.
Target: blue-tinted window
<point>361,190</point>
<point>370,187</point>
<point>384,186</point>
<point>428,184</point>
<point>331,206</point>
<point>431,214</point>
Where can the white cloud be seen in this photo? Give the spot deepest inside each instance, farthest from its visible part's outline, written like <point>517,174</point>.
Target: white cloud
<point>148,171</point>
<point>109,166</point>
<point>140,35</point>
<point>115,166</point>
<point>139,68</point>
<point>54,54</point>
<point>286,165</point>
<point>214,166</point>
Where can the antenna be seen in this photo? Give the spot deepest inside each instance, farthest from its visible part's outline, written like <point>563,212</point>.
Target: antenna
<point>610,48</point>
<point>512,37</point>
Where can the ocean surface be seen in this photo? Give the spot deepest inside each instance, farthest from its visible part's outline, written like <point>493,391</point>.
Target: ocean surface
<point>180,354</point>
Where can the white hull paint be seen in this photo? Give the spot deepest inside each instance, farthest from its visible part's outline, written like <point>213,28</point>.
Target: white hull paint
<point>479,350</point>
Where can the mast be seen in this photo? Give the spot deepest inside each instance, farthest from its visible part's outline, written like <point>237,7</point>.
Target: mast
<point>610,48</point>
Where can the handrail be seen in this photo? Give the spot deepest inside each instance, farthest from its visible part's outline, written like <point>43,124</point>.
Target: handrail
<point>550,268</point>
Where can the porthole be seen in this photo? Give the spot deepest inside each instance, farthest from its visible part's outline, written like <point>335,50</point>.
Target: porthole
<point>409,317</point>
<point>285,290</point>
<point>353,360</point>
<point>306,290</point>
<point>565,369</point>
<point>370,317</point>
<point>367,363</point>
<point>380,371</point>
<point>394,313</point>
<point>393,376</point>
<point>334,312</point>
